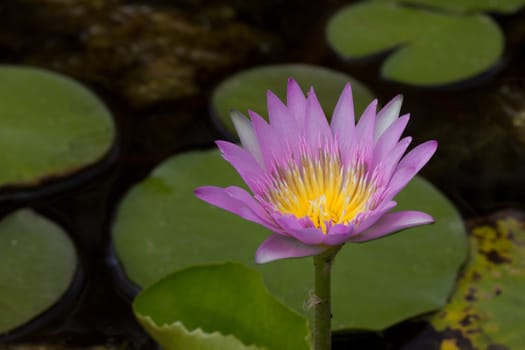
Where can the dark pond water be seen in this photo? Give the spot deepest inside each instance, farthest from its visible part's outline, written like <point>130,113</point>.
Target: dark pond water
<point>159,96</point>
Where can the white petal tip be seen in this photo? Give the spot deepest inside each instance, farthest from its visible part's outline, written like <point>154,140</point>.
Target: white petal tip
<point>235,114</point>
<point>398,100</point>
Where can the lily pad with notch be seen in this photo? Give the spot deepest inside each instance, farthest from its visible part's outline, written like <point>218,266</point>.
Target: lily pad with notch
<point>205,313</point>
<point>161,227</point>
<point>247,90</point>
<point>423,48</point>
<point>50,127</point>
<point>38,265</point>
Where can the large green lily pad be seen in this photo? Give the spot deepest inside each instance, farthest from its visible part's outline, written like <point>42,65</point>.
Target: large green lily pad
<point>222,306</point>
<point>247,90</point>
<point>50,126</point>
<point>487,307</point>
<point>428,48</point>
<point>160,227</point>
<point>503,6</point>
<point>37,265</point>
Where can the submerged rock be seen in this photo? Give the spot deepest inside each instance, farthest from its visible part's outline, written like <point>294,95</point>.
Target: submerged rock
<point>147,54</point>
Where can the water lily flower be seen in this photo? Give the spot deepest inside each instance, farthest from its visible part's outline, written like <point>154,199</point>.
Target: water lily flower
<point>316,184</point>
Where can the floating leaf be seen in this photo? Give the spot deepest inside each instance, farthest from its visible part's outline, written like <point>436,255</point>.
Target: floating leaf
<point>49,126</point>
<point>247,89</point>
<point>504,6</point>
<point>219,307</point>
<point>161,227</point>
<point>487,307</point>
<point>429,48</point>
<point>37,265</point>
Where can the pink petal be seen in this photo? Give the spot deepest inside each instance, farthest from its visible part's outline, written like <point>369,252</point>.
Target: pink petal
<point>398,181</point>
<point>419,156</point>
<point>278,114</point>
<point>343,120</point>
<point>237,201</point>
<point>338,234</point>
<point>365,126</point>
<point>318,133</point>
<point>269,141</point>
<point>247,135</point>
<point>283,124</point>
<point>368,219</point>
<point>296,101</point>
<point>281,247</point>
<point>387,115</point>
<point>386,167</point>
<point>410,165</point>
<point>393,222</point>
<point>246,198</point>
<point>389,138</point>
<point>242,161</point>
<point>293,227</point>
<point>362,144</point>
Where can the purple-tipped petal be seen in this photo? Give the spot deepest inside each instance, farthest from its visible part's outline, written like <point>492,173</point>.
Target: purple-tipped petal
<point>387,165</point>
<point>399,180</point>
<point>318,133</point>
<point>387,115</point>
<point>250,202</point>
<point>370,218</point>
<point>362,145</point>
<point>243,162</point>
<point>269,141</point>
<point>281,247</point>
<point>370,112</point>
<point>390,138</point>
<point>236,200</point>
<point>393,222</point>
<point>276,108</point>
<point>296,101</point>
<point>291,225</point>
<point>419,156</point>
<point>410,165</point>
<point>247,136</point>
<point>338,234</point>
<point>283,124</point>
<point>343,119</point>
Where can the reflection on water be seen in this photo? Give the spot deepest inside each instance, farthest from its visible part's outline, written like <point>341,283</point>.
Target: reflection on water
<point>155,64</point>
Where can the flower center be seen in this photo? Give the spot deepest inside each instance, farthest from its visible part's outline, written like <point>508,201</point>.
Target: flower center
<point>320,189</point>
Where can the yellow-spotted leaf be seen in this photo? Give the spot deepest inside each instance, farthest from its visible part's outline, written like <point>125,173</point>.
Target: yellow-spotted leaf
<point>486,309</point>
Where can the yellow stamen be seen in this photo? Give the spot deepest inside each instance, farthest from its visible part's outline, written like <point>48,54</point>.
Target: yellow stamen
<point>320,189</point>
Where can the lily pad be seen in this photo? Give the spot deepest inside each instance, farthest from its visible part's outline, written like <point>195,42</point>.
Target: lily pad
<point>161,227</point>
<point>247,90</point>
<point>428,48</point>
<point>37,265</point>
<point>502,6</point>
<point>487,307</point>
<point>50,126</point>
<point>198,308</point>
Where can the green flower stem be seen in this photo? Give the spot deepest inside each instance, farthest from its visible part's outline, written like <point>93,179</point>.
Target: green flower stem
<point>322,331</point>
